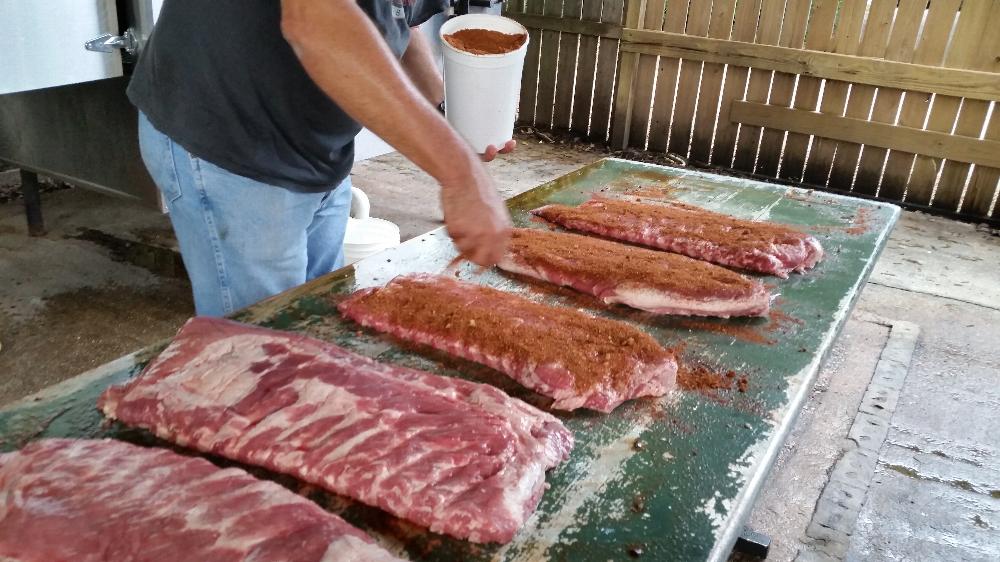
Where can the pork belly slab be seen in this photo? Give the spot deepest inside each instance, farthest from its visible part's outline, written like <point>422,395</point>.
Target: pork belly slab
<point>110,501</point>
<point>657,282</point>
<point>461,458</point>
<point>764,247</point>
<point>577,359</point>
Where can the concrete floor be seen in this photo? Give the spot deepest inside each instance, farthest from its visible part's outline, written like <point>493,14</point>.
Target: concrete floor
<point>936,491</point>
<point>67,304</point>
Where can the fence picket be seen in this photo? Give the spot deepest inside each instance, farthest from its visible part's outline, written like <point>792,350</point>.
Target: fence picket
<point>583,97</point>
<point>642,94</point>
<point>965,44</point>
<point>985,181</point>
<point>699,15</point>
<point>529,76</point>
<point>663,97</point>
<point>930,52</point>
<point>566,68</point>
<point>782,85</point>
<point>902,47</point>
<point>720,26</point>
<point>604,77</point>
<point>819,37</point>
<point>744,29</point>
<point>768,33</point>
<point>874,43</point>
<point>847,41</point>
<point>621,120</point>
<point>548,64</point>
<point>970,123</point>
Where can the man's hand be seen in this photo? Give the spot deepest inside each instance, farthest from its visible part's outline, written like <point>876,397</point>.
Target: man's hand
<point>492,151</point>
<point>475,216</point>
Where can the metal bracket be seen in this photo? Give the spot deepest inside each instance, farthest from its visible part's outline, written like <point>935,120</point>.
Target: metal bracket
<point>107,43</point>
<point>753,543</point>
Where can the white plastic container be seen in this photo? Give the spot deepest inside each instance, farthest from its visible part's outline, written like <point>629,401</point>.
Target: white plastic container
<point>481,91</point>
<point>365,235</point>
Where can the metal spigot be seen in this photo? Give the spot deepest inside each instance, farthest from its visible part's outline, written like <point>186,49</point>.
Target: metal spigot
<point>107,43</point>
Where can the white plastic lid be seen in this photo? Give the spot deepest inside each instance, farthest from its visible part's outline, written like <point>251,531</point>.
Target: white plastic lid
<point>371,232</point>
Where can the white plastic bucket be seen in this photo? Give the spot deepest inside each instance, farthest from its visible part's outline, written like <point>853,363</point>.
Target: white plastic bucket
<point>481,91</point>
<point>365,235</point>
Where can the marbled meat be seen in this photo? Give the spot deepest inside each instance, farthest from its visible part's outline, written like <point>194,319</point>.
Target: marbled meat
<point>657,282</point>
<point>110,501</point>
<point>764,247</point>
<point>577,359</point>
<point>461,458</point>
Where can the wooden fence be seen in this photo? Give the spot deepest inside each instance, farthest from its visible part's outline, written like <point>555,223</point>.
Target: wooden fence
<point>890,98</point>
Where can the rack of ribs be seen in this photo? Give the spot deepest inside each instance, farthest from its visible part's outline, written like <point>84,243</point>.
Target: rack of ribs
<point>657,282</point>
<point>111,501</point>
<point>764,247</point>
<point>579,360</point>
<point>457,457</point>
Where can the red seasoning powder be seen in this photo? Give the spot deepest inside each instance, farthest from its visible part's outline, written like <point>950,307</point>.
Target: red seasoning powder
<point>627,264</point>
<point>485,41</point>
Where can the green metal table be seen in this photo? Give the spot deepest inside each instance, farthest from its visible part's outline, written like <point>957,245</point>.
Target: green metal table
<point>659,479</point>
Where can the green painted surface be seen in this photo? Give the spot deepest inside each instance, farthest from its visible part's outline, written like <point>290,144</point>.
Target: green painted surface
<point>685,491</point>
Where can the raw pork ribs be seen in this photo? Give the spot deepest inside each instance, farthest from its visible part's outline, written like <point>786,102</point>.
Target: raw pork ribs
<point>764,247</point>
<point>575,358</point>
<point>109,501</point>
<point>461,458</point>
<point>645,279</point>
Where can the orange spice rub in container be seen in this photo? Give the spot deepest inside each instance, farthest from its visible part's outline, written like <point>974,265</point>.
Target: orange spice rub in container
<point>485,41</point>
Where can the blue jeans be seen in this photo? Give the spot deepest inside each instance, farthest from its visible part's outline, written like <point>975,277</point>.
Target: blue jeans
<point>242,240</point>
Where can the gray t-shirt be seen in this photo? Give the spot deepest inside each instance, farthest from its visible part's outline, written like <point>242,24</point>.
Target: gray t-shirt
<point>219,79</point>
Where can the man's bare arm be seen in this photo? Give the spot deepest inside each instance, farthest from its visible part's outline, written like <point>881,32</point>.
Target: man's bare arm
<point>343,53</point>
<point>418,62</point>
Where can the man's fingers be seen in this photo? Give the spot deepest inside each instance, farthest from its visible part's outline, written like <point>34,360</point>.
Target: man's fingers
<point>490,154</point>
<point>492,254</point>
<point>485,251</point>
<point>492,151</point>
<point>475,253</point>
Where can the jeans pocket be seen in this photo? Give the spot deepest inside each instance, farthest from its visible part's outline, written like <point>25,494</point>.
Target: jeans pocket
<point>157,151</point>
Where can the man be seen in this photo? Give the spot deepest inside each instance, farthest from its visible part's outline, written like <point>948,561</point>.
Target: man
<point>248,112</point>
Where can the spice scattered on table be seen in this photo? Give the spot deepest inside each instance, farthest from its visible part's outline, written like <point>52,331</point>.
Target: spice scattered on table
<point>702,378</point>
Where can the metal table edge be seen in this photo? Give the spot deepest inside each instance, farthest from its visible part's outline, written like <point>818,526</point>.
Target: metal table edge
<point>748,496</point>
